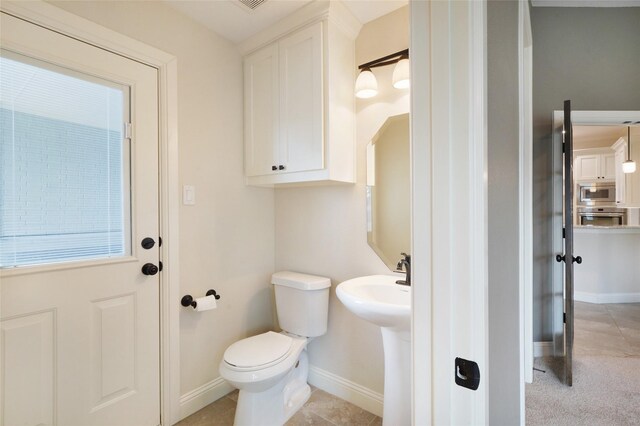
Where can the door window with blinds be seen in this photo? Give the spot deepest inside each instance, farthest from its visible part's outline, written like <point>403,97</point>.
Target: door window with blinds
<point>64,165</point>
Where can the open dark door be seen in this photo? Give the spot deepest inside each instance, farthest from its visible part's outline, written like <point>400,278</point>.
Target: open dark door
<point>568,257</point>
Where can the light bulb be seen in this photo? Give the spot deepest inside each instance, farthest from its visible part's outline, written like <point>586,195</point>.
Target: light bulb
<point>401,74</point>
<point>366,85</point>
<point>629,166</point>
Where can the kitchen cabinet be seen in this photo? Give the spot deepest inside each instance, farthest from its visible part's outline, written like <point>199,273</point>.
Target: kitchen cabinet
<point>299,106</point>
<point>595,167</point>
<point>627,184</point>
<point>620,157</point>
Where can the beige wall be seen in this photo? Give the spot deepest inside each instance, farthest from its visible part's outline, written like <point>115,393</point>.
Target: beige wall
<point>227,238</point>
<point>322,230</point>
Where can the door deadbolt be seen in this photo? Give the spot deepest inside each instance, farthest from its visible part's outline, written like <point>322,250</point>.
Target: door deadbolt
<point>147,243</point>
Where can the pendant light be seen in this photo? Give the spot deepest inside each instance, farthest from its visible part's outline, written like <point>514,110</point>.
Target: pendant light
<point>366,83</point>
<point>629,166</point>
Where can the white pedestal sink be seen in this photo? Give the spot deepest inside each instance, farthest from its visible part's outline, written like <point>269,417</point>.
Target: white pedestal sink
<point>379,300</point>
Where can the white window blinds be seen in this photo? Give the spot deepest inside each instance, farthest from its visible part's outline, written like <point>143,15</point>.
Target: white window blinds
<point>64,169</point>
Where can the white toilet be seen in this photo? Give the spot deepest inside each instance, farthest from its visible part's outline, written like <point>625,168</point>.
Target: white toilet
<point>271,369</point>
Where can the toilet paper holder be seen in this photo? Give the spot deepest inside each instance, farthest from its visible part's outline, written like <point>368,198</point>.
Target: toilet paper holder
<point>187,300</point>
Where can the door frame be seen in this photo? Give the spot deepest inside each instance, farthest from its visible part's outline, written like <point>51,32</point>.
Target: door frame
<point>525,62</point>
<point>449,215</point>
<point>53,18</point>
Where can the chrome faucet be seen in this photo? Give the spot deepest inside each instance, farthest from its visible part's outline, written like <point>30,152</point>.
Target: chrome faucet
<point>406,263</point>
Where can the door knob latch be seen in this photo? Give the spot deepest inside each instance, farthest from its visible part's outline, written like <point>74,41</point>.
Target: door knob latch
<point>149,269</point>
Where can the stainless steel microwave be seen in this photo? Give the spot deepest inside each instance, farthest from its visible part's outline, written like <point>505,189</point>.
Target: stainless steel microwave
<point>596,194</point>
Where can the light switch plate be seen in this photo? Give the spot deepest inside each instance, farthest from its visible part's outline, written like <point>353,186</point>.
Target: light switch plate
<point>189,195</point>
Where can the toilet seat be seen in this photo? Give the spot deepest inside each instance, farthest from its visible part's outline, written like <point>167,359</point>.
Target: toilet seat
<point>267,372</point>
<point>258,352</point>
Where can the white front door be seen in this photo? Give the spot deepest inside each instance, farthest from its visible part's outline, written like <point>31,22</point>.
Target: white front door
<point>79,335</point>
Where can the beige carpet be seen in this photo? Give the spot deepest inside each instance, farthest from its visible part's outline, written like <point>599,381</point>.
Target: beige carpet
<point>605,391</point>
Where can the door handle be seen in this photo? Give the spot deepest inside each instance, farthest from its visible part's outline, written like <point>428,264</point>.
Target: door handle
<point>149,269</point>
<point>563,258</point>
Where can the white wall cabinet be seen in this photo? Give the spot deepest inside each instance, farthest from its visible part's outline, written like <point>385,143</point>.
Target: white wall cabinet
<point>595,167</point>
<point>261,115</point>
<point>300,107</point>
<point>283,105</point>
<point>627,184</point>
<point>620,157</point>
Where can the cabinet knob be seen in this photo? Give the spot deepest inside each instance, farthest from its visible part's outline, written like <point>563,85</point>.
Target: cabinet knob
<point>274,168</point>
<point>281,167</point>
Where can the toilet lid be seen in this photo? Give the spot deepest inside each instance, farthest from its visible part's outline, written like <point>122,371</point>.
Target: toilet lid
<point>258,350</point>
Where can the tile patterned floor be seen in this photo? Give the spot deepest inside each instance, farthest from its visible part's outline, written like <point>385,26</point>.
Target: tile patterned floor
<point>607,329</point>
<point>322,409</point>
<point>601,329</point>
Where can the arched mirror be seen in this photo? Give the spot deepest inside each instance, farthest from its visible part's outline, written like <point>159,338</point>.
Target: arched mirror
<point>388,191</point>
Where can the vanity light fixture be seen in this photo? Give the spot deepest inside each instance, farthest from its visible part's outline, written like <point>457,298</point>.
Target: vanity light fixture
<point>629,166</point>
<point>366,83</point>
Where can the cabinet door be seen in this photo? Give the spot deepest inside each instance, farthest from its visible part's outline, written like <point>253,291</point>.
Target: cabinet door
<point>301,100</point>
<point>587,167</point>
<point>608,166</point>
<point>619,158</point>
<point>261,111</point>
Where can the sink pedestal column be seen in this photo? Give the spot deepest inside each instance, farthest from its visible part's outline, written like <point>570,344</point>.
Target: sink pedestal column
<point>397,377</point>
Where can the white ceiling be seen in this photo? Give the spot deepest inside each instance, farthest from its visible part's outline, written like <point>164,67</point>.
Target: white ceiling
<point>235,22</point>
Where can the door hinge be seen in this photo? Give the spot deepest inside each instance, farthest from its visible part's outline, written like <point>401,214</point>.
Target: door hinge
<point>127,130</point>
<point>564,233</point>
<point>563,145</point>
<point>564,317</point>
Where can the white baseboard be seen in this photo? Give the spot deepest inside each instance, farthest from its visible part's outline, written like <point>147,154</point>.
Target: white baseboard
<point>542,349</point>
<point>202,396</point>
<point>581,296</point>
<point>349,391</point>
<point>354,393</point>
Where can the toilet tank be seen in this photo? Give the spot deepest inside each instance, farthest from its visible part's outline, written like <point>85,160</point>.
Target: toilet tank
<point>302,302</point>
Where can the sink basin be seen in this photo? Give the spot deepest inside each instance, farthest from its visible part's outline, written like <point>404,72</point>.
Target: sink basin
<point>378,299</point>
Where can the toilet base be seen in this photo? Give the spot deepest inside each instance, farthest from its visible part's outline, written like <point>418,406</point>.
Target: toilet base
<point>276,405</point>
